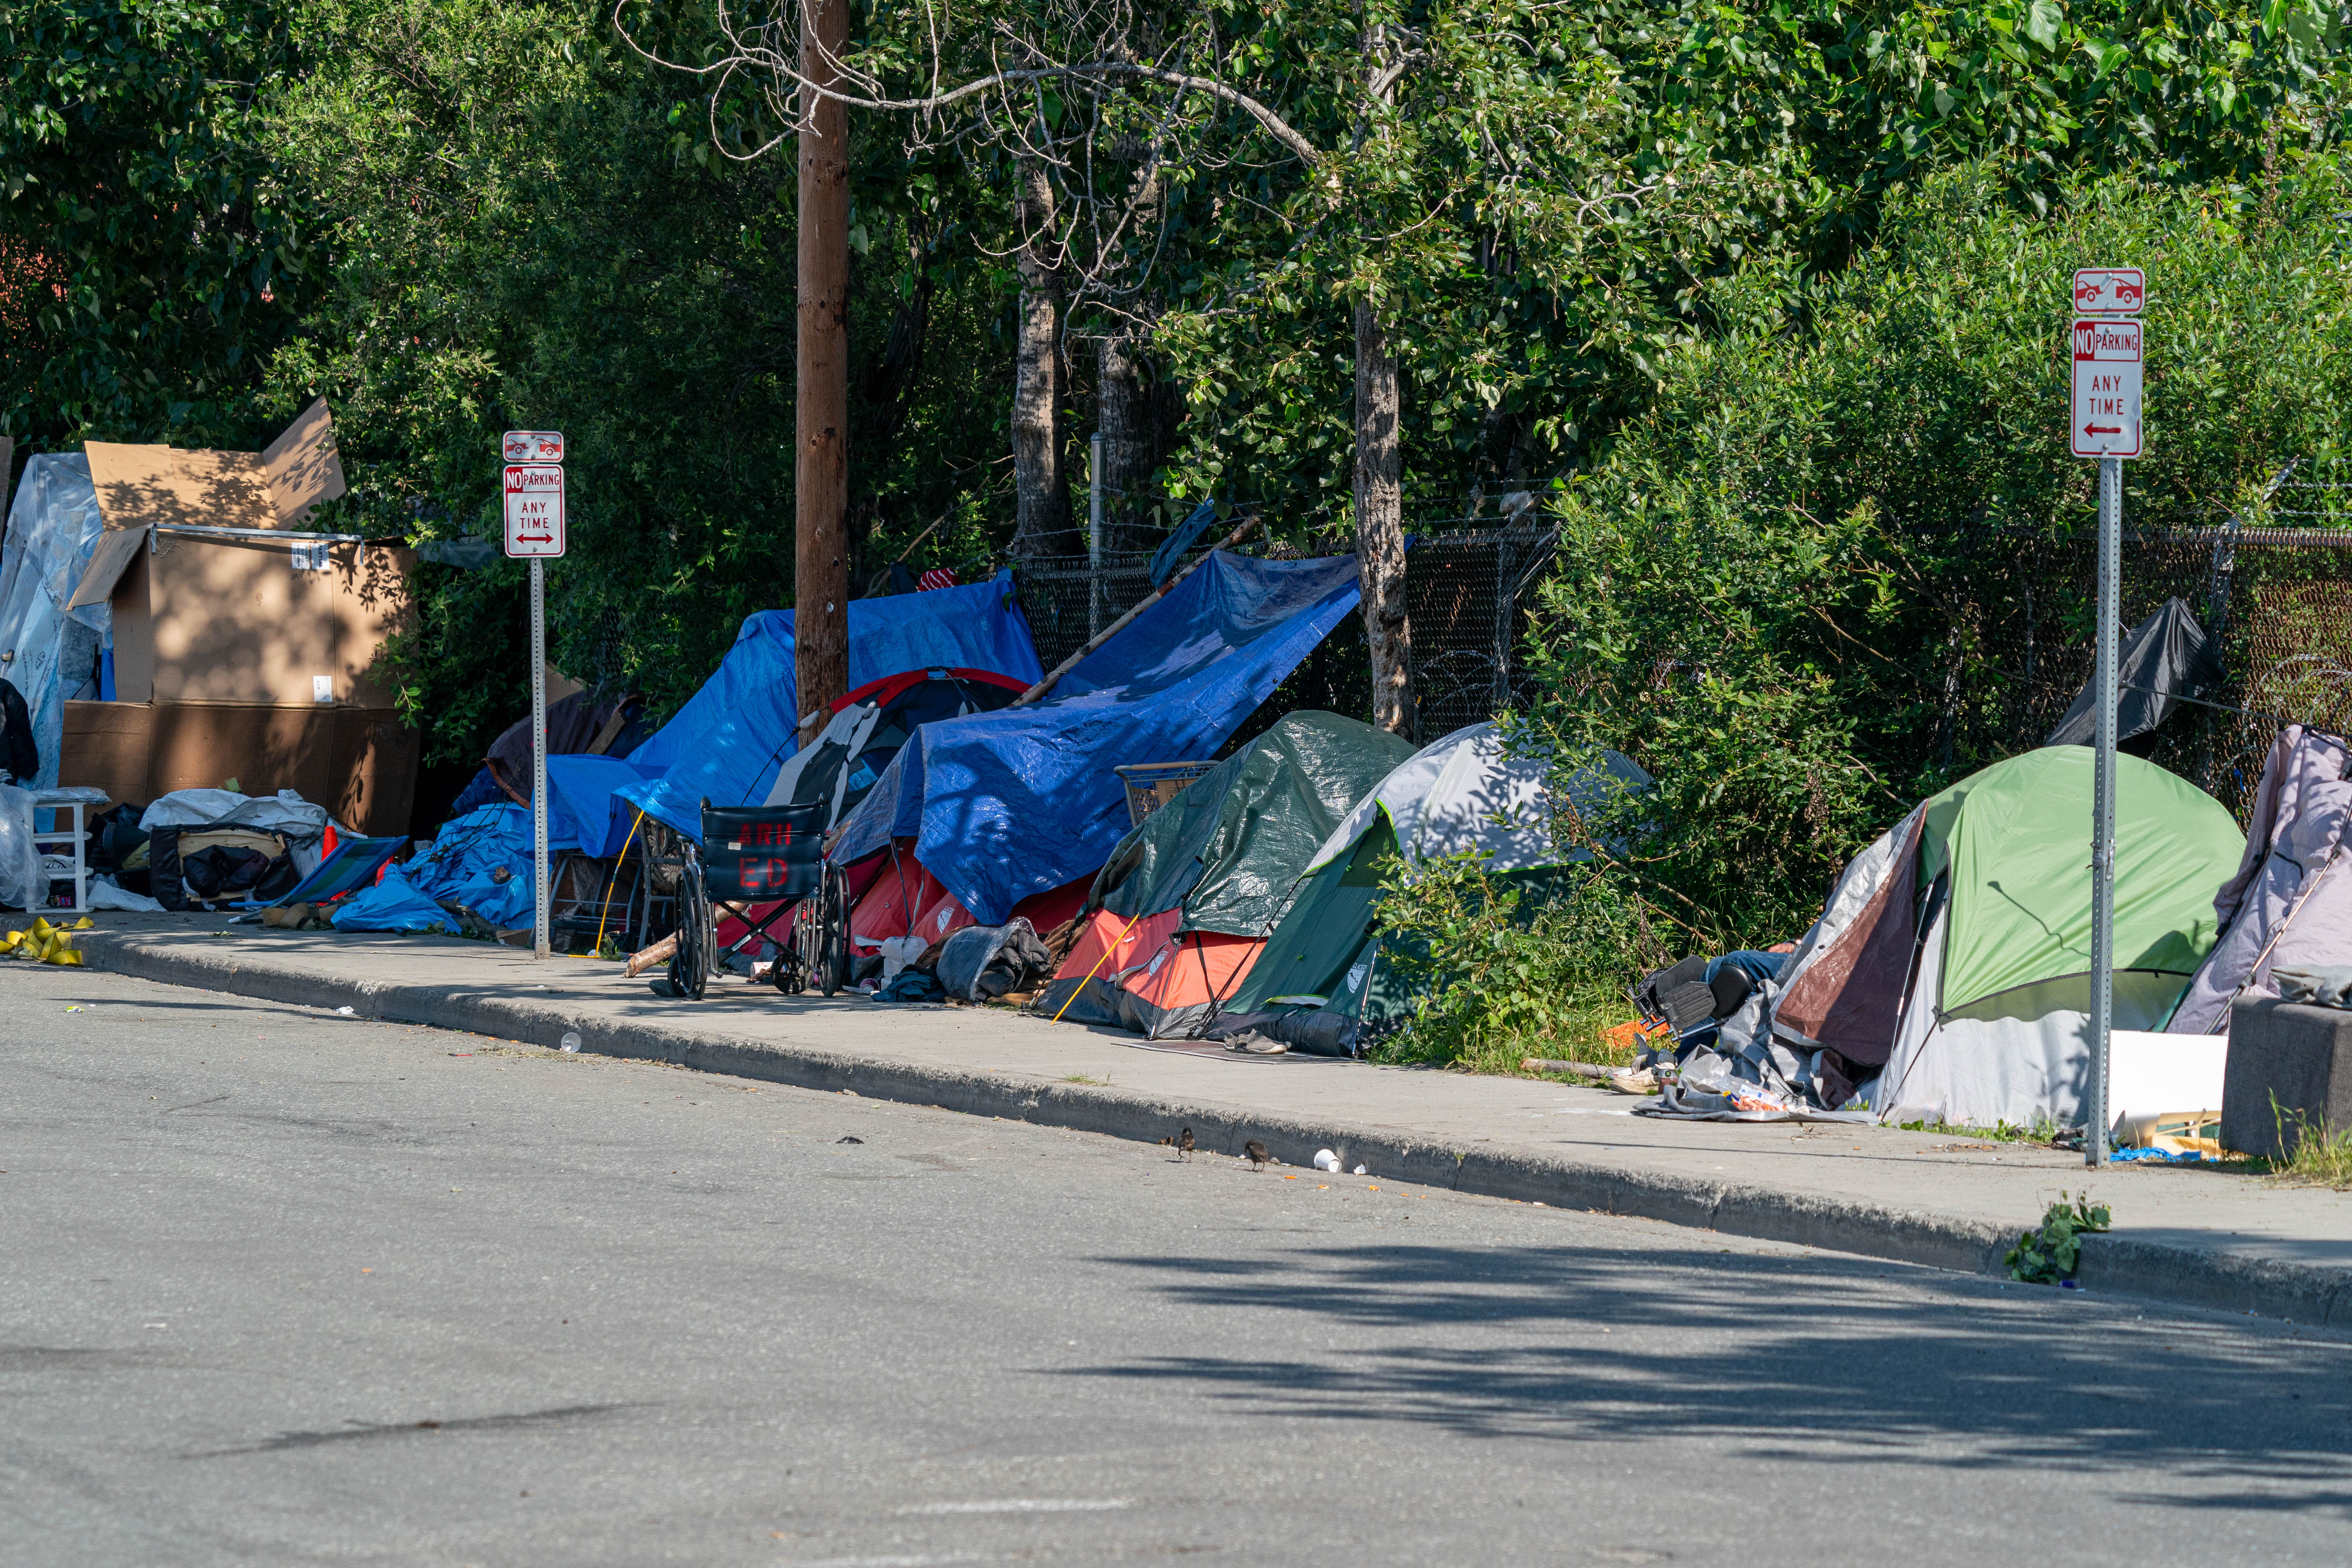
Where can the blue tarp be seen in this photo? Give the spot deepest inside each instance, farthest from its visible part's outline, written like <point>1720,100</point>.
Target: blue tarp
<point>585,805</point>
<point>482,860</point>
<point>1016,802</point>
<point>731,736</point>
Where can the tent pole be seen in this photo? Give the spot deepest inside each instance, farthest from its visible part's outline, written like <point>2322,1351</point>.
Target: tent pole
<point>2102,815</point>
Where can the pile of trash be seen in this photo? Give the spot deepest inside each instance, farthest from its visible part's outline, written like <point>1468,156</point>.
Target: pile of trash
<point>475,880</point>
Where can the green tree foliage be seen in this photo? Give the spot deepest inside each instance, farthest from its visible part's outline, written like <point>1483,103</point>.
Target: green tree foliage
<point>171,250</point>
<point>1772,596</point>
<point>532,230</point>
<point>1545,200</point>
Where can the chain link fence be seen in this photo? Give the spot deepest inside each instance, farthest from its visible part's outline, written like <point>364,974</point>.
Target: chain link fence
<point>2272,587</point>
<point>1468,586</point>
<point>2277,601</point>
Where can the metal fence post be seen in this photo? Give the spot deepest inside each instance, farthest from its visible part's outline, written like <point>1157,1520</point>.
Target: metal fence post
<point>2103,813</point>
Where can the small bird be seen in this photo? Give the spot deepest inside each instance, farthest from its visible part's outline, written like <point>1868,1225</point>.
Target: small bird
<point>1184,1145</point>
<point>1257,1154</point>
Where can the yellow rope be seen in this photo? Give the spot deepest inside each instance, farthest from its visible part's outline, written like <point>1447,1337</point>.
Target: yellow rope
<point>605,904</point>
<point>1098,964</point>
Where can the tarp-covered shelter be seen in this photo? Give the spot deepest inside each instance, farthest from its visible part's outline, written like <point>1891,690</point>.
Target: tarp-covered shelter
<point>999,807</point>
<point>48,649</point>
<point>2289,904</point>
<point>1954,954</point>
<point>842,763</point>
<point>1179,912</point>
<point>1320,979</point>
<point>731,737</point>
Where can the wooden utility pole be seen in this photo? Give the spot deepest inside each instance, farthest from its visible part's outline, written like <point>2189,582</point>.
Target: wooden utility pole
<point>820,403</point>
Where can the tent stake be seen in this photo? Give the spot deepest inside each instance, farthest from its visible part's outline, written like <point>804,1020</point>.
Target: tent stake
<point>1112,630</point>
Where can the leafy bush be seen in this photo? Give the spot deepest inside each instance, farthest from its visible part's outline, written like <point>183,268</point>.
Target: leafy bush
<point>1503,969</point>
<point>1775,594</point>
<point>2048,1254</point>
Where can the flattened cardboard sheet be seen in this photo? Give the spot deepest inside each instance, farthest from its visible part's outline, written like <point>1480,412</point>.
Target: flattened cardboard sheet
<point>140,487</point>
<point>116,551</point>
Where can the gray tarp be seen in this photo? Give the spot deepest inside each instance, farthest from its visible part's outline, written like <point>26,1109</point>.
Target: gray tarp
<point>47,650</point>
<point>2290,905</point>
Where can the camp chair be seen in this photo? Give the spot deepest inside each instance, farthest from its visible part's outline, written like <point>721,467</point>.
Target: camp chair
<point>763,854</point>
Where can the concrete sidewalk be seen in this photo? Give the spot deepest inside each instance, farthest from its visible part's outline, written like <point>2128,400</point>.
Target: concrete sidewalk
<point>2195,1237</point>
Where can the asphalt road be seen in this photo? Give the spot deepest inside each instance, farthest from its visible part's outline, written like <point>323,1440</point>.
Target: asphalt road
<point>277,1287</point>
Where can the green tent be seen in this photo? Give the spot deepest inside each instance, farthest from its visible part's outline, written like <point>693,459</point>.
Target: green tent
<point>1178,912</point>
<point>1320,979</point>
<point>2015,839</point>
<point>1227,850</point>
<point>1955,953</point>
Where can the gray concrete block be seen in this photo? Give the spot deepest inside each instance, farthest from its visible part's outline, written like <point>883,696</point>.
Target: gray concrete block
<point>2300,1055</point>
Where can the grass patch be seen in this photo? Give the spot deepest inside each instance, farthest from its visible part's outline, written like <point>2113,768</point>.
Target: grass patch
<point>2315,1156</point>
<point>1572,1029</point>
<point>1103,1082</point>
<point>2044,1133</point>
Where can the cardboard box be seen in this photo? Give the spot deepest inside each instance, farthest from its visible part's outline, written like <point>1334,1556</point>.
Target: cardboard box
<point>216,599</point>
<point>358,762</point>
<point>244,648</point>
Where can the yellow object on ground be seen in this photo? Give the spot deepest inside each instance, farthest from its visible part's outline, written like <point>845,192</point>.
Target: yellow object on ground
<point>45,944</point>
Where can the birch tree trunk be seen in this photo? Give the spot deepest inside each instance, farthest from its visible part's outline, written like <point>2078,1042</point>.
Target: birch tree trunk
<point>1379,525</point>
<point>1041,497</point>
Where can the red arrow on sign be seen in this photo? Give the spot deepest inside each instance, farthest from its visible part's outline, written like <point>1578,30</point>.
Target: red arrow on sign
<point>534,539</point>
<point>2103,429</point>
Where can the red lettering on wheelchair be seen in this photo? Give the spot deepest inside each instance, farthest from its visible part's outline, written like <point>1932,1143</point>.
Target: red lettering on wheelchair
<point>764,876</point>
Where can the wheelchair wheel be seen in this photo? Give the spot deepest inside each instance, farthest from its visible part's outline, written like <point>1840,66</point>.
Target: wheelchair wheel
<point>689,969</point>
<point>832,935</point>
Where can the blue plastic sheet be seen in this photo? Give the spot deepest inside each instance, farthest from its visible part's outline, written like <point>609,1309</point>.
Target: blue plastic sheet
<point>392,904</point>
<point>584,806</point>
<point>482,860</point>
<point>726,744</point>
<point>1019,801</point>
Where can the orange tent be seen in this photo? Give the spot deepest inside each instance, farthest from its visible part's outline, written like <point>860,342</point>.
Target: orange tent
<point>1147,975</point>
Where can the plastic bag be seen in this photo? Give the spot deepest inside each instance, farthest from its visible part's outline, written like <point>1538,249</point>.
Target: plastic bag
<point>24,885</point>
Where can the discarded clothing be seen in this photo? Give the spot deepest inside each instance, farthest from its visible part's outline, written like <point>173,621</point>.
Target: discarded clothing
<point>913,985</point>
<point>105,893</point>
<point>981,962</point>
<point>2329,987</point>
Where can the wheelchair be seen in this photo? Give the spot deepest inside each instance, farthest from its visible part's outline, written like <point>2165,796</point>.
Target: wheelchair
<point>755,854</point>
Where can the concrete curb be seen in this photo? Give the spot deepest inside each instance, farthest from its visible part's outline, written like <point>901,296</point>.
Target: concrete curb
<point>2188,1275</point>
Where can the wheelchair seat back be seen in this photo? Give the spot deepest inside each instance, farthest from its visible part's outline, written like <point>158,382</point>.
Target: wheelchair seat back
<point>764,853</point>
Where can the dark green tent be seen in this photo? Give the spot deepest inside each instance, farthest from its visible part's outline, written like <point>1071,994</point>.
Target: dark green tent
<point>1320,979</point>
<point>1180,909</point>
